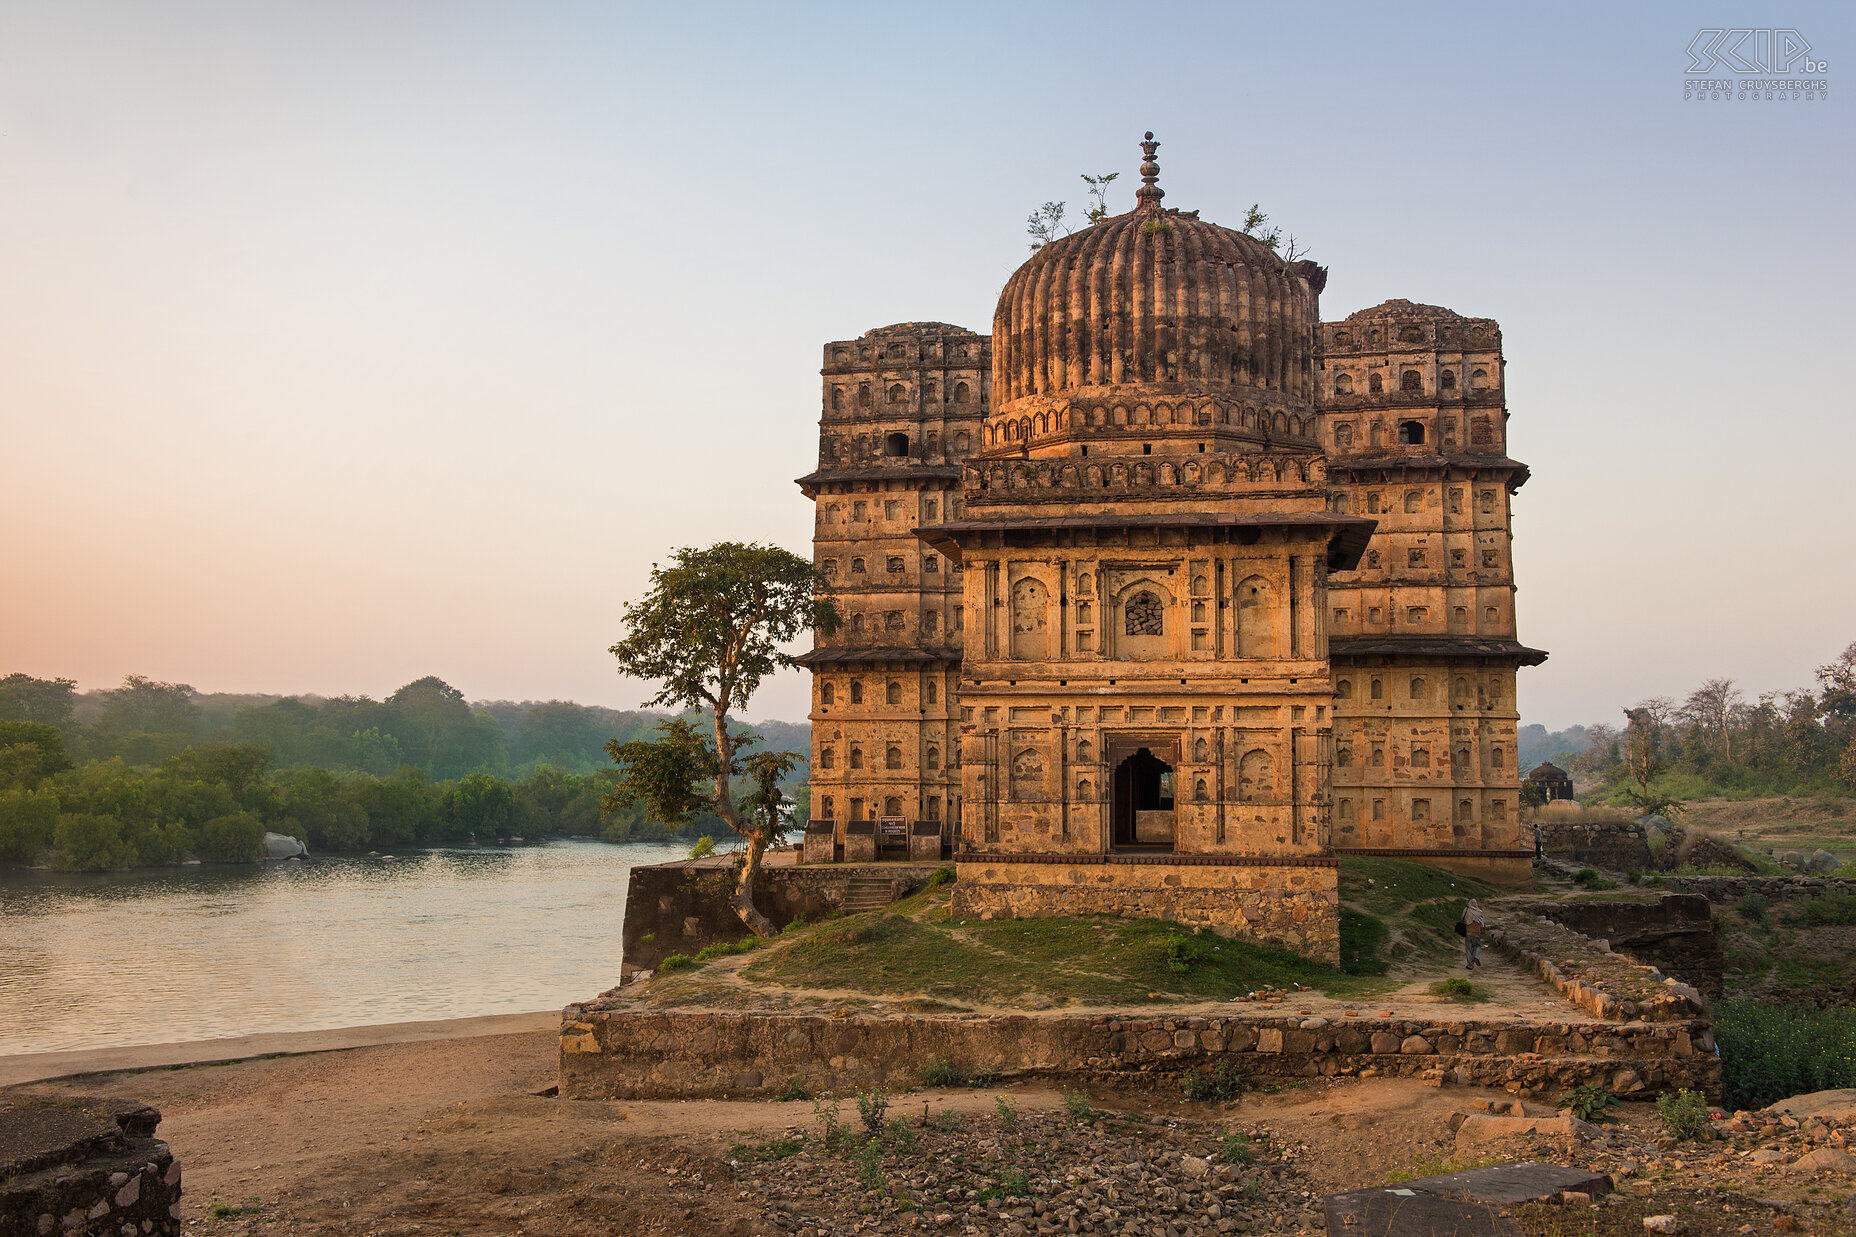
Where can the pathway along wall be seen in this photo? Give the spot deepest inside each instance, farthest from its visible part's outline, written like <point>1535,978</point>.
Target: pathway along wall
<point>633,1054</point>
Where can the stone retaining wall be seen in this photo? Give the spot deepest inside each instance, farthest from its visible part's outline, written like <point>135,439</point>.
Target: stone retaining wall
<point>683,907</point>
<point>1294,904</point>
<point>1586,972</point>
<point>78,1167</point>
<point>1674,933</point>
<point>630,1054</point>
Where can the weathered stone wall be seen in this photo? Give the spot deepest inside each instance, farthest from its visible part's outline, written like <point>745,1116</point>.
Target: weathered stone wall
<point>1295,904</point>
<point>1617,846</point>
<point>620,1054</point>
<point>83,1167</point>
<point>1675,933</point>
<point>680,908</point>
<point>1587,972</point>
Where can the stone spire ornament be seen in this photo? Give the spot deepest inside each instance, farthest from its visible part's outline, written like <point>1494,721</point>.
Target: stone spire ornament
<point>1149,194</point>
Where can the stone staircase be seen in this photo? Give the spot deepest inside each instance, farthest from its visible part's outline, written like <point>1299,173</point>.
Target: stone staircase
<point>868,891</point>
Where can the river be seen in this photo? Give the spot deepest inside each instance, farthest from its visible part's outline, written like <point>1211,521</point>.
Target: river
<point>99,960</point>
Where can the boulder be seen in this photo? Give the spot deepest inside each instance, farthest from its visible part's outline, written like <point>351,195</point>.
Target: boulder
<point>1838,1106</point>
<point>1827,1159</point>
<point>283,846</point>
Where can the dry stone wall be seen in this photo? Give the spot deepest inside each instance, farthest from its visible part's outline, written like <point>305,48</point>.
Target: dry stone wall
<point>84,1167</point>
<point>629,1054</point>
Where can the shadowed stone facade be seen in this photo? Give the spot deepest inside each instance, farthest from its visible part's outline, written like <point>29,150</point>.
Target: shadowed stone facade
<point>1218,591</point>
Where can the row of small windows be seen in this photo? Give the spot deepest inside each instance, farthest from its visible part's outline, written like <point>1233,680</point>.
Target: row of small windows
<point>1413,434</point>
<point>1459,615</point>
<point>894,565</point>
<point>898,393</point>
<point>828,513</point>
<point>897,352</point>
<point>1418,756</point>
<point>1419,689</point>
<point>892,807</point>
<point>892,692</point>
<point>892,757</point>
<point>1420,811</point>
<point>1410,381</point>
<point>895,621</point>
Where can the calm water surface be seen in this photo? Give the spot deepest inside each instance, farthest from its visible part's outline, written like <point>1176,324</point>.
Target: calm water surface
<point>101,960</point>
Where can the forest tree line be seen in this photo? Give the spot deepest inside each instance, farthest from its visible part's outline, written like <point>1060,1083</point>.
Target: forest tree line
<point>149,772</point>
<point>1717,741</point>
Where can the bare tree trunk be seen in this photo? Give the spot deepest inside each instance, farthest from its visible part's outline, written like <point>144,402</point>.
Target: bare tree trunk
<point>742,901</point>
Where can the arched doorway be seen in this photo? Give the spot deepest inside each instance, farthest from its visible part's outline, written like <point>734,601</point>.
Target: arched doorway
<point>1143,802</point>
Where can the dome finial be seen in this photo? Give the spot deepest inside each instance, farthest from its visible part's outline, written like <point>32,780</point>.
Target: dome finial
<point>1149,194</point>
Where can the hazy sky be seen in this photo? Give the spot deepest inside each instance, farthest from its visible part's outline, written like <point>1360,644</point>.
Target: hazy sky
<point>343,343</point>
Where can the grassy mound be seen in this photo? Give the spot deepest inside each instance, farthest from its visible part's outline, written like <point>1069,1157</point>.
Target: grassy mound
<point>915,950</point>
<point>1399,910</point>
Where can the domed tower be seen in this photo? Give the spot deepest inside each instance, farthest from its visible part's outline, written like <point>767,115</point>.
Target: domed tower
<point>1144,692</point>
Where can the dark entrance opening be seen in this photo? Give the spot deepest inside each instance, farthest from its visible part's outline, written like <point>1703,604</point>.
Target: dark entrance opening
<point>1143,803</point>
<point>896,445</point>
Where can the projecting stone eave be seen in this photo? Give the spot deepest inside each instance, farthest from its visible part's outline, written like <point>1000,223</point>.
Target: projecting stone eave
<point>1435,646</point>
<point>1515,471</point>
<point>878,656</point>
<point>1347,539</point>
<point>900,471</point>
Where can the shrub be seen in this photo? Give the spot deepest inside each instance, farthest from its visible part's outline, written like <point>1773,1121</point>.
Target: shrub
<point>1008,1113</point>
<point>28,820</point>
<point>947,1121</point>
<point>1586,877</point>
<point>705,846</point>
<point>870,1165</point>
<point>1831,908</point>
<point>1236,1149</point>
<point>1077,1104</point>
<point>942,1072</point>
<point>1588,1102</point>
<point>940,876</point>
<point>1684,1113</point>
<point>675,963</point>
<point>1769,1053</point>
<point>1456,985</point>
<point>1754,908</point>
<point>831,1127</point>
<point>795,1089</point>
<point>777,1149</point>
<point>872,1108</point>
<point>1013,1183</point>
<point>724,949</point>
<point>238,838</point>
<point>1224,1081</point>
<point>1180,953</point>
<point>88,843</point>
<point>901,1135</point>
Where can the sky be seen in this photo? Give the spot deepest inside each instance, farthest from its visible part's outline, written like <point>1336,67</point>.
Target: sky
<point>343,343</point>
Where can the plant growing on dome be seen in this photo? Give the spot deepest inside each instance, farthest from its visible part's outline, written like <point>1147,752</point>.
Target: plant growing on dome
<point>709,630</point>
<point>1098,189</point>
<point>1043,224</point>
<point>1284,247</point>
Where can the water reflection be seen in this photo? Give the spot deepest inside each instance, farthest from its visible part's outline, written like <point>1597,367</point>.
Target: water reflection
<point>92,960</point>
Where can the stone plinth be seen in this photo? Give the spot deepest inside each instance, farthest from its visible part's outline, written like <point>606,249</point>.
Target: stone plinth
<point>1294,903</point>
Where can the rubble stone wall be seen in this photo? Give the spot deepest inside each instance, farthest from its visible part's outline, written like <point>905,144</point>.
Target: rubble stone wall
<point>80,1168</point>
<point>630,1054</point>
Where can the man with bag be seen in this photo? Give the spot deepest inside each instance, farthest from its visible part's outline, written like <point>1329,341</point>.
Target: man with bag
<point>1469,927</point>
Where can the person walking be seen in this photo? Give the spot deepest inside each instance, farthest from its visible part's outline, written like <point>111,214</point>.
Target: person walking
<point>1469,927</point>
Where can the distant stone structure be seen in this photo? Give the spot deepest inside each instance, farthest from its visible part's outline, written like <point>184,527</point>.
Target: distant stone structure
<point>1555,781</point>
<point>1167,594</point>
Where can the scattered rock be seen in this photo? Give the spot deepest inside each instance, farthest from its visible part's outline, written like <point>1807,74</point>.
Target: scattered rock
<point>1662,1224</point>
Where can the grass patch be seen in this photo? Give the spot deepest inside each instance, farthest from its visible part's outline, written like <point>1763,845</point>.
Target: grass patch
<point>1456,988</point>
<point>1831,908</point>
<point>1362,937</point>
<point>1086,960</point>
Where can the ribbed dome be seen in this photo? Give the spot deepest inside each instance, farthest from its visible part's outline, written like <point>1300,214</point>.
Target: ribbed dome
<point>1162,300</point>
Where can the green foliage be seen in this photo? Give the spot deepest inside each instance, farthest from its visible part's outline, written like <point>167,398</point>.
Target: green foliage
<point>795,1090</point>
<point>1756,908</point>
<point>30,752</point>
<point>1235,1149</point>
<point>1223,1081</point>
<point>1080,1110</point>
<point>1769,1053</point>
<point>28,820</point>
<point>901,1137</point>
<point>705,846</point>
<point>1361,938</point>
<point>761,1153</point>
<point>1586,878</point>
<point>832,1131</point>
<point>48,702</point>
<point>727,949</point>
<point>234,838</point>
<point>946,1120</point>
<point>873,1108</point>
<point>1007,1112</point>
<point>677,962</point>
<point>1830,908</point>
<point>1179,952</point>
<point>1456,985</point>
<point>1012,1183</point>
<point>870,1165</point>
<point>942,1072</point>
<point>939,877</point>
<point>90,843</point>
<point>1589,1102</point>
<point>1684,1114</point>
